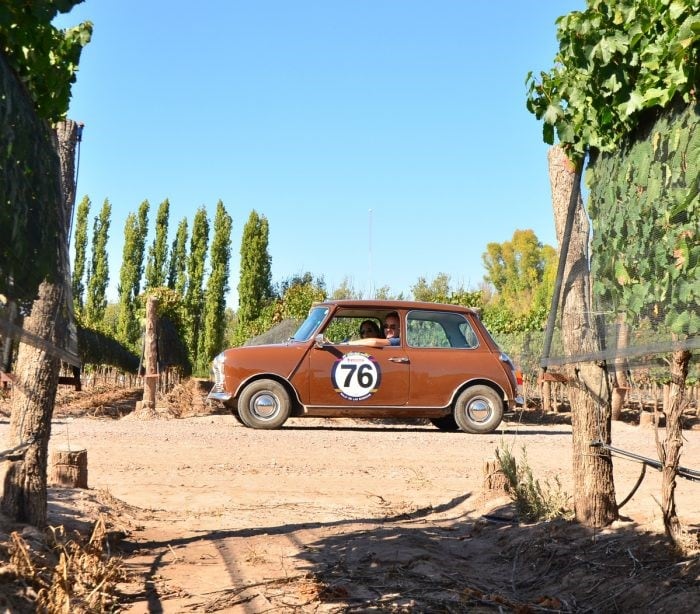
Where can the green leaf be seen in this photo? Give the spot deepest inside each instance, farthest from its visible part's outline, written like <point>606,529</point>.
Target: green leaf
<point>552,114</point>
<point>548,133</point>
<point>565,132</point>
<point>676,9</point>
<point>621,274</point>
<point>653,96</point>
<point>635,103</point>
<point>678,322</point>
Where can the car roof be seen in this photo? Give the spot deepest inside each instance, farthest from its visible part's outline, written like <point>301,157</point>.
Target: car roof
<point>389,305</point>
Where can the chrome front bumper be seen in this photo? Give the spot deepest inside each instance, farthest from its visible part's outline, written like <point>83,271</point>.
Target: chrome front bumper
<point>218,391</point>
<point>219,396</point>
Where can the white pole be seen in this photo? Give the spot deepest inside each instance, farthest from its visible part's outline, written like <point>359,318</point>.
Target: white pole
<point>371,284</point>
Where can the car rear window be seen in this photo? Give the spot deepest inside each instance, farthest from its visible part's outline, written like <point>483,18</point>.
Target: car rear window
<point>437,329</point>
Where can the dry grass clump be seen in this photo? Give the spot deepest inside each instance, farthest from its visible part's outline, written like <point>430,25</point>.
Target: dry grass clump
<point>533,501</point>
<point>73,576</point>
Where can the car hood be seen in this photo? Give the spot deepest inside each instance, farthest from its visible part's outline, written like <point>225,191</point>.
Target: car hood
<point>275,358</point>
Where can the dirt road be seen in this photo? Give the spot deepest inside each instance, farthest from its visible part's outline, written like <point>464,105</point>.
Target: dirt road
<point>345,516</point>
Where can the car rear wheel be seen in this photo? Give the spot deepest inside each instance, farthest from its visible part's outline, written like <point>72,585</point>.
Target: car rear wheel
<point>445,423</point>
<point>264,404</point>
<point>478,409</point>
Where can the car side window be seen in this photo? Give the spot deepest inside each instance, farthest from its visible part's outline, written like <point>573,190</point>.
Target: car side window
<point>341,329</point>
<point>426,334</point>
<point>433,329</point>
<point>466,330</point>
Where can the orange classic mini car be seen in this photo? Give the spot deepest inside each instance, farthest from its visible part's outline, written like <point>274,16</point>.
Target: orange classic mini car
<point>423,360</point>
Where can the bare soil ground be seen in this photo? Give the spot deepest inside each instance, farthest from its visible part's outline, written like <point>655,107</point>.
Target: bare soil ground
<point>357,516</point>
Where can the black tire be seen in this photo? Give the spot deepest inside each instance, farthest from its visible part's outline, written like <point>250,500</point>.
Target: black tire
<point>234,413</point>
<point>445,423</point>
<point>478,409</point>
<point>264,404</point>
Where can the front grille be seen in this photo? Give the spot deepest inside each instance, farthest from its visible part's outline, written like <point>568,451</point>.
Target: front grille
<point>217,374</point>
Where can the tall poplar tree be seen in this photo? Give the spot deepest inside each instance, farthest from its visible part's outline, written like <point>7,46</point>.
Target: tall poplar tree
<point>144,209</point>
<point>214,330</point>
<point>157,264</point>
<point>98,275</point>
<point>255,285</point>
<point>194,295</point>
<point>80,259</point>
<point>177,271</point>
<point>135,231</point>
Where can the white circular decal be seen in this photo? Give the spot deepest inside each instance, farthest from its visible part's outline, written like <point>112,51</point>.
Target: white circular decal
<point>356,376</point>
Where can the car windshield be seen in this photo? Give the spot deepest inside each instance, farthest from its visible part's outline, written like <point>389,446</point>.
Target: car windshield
<point>309,326</point>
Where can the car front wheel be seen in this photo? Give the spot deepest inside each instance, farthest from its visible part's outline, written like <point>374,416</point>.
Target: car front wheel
<point>478,409</point>
<point>264,404</point>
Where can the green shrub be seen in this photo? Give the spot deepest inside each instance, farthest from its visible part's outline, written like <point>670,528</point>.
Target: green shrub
<point>533,501</point>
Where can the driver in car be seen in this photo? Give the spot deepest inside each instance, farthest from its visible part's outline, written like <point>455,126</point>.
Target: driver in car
<point>392,328</point>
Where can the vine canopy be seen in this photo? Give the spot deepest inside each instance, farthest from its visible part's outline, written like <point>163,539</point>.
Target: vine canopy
<point>616,60</point>
<point>44,58</point>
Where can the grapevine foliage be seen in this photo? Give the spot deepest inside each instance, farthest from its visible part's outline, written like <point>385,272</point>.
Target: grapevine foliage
<point>616,60</point>
<point>647,252</point>
<point>43,57</point>
<point>625,89</point>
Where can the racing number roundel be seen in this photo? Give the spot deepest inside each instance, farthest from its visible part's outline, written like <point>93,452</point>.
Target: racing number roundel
<point>356,376</point>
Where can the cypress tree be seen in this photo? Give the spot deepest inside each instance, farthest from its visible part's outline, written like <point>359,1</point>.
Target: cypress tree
<point>194,296</point>
<point>177,271</point>
<point>217,287</point>
<point>140,246</point>
<point>80,247</point>
<point>98,275</point>
<point>157,265</point>
<point>255,285</point>
<point>135,231</point>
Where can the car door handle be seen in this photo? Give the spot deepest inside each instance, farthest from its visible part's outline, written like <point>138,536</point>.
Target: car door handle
<point>402,359</point>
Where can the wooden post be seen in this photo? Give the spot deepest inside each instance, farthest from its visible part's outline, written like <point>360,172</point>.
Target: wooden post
<point>494,478</point>
<point>548,380</point>
<point>620,379</point>
<point>150,381</point>
<point>546,396</point>
<point>647,418</point>
<point>69,468</point>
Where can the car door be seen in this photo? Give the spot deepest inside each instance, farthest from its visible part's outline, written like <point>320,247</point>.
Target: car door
<point>445,353</point>
<point>355,375</point>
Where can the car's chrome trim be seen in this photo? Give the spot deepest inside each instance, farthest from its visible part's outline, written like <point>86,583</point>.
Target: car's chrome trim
<point>219,396</point>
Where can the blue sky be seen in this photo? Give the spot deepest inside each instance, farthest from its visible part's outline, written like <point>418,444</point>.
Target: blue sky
<point>383,140</point>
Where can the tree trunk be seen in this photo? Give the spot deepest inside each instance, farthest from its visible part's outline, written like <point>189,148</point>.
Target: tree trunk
<point>670,449</point>
<point>38,365</point>
<point>620,379</point>
<point>68,134</point>
<point>594,489</point>
<point>151,354</point>
<point>33,397</point>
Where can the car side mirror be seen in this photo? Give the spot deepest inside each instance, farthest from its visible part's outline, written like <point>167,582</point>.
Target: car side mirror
<point>320,341</point>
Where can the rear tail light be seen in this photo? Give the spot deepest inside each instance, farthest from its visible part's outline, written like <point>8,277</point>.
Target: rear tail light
<point>517,374</point>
